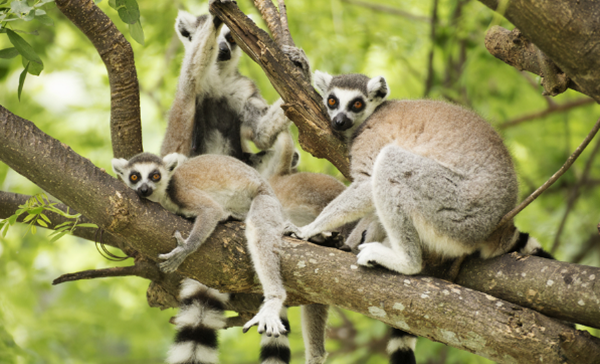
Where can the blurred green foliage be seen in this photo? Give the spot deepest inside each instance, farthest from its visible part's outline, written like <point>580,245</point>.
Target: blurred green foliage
<point>109,321</point>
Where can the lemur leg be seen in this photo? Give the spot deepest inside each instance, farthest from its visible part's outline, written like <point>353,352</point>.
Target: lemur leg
<point>401,347</point>
<point>199,56</point>
<point>418,201</point>
<point>276,350</point>
<point>201,314</point>
<point>314,323</point>
<point>264,232</point>
<point>352,204</point>
<point>208,214</point>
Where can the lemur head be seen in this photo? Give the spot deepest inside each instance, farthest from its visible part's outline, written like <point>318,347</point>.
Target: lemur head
<point>187,26</point>
<point>147,173</point>
<point>350,99</point>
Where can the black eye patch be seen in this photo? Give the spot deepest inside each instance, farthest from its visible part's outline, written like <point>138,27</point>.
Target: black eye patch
<point>332,102</point>
<point>356,105</point>
<point>134,177</point>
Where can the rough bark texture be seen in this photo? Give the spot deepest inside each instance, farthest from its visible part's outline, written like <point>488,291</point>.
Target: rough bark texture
<point>303,104</point>
<point>566,31</point>
<point>428,307</point>
<point>516,50</point>
<point>117,55</point>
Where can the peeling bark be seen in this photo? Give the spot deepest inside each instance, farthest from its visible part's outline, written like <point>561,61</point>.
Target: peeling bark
<point>117,55</point>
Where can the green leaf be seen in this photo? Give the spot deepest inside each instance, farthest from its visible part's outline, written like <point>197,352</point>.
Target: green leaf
<point>56,237</point>
<point>129,11</point>
<point>61,229</point>
<point>39,198</point>
<point>45,19</point>
<point>63,224</point>
<point>5,231</point>
<point>37,210</point>
<point>22,80</point>
<point>9,53</point>
<point>137,33</point>
<point>45,218</point>
<point>33,229</point>
<point>20,7</point>
<point>112,4</point>
<point>29,217</point>
<point>29,16</point>
<point>23,47</point>
<point>45,2</point>
<point>12,219</point>
<point>88,225</point>
<point>42,223</point>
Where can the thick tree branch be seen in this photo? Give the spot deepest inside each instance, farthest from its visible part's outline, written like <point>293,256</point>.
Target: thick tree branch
<point>425,306</point>
<point>303,105</point>
<point>566,31</point>
<point>117,55</point>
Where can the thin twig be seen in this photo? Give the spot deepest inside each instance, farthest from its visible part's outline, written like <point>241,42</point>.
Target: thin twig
<point>270,14</point>
<point>388,10</point>
<point>283,21</point>
<point>551,109</point>
<point>574,195</point>
<point>131,270</point>
<point>429,80</point>
<point>511,214</point>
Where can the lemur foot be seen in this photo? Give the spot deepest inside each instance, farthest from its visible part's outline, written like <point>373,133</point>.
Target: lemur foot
<point>290,229</point>
<point>373,254</point>
<point>298,58</point>
<point>267,319</point>
<point>176,256</point>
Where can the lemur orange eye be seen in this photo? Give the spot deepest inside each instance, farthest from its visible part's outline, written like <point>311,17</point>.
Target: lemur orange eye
<point>133,177</point>
<point>331,101</point>
<point>358,105</point>
<point>229,38</point>
<point>155,177</point>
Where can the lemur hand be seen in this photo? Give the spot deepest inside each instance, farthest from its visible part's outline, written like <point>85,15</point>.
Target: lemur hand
<point>176,256</point>
<point>299,59</point>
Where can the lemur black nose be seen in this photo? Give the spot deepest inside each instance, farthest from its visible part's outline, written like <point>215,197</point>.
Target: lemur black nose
<point>144,190</point>
<point>224,52</point>
<point>341,122</point>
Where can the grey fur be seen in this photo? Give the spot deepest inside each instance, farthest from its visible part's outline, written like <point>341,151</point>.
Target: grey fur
<point>435,176</point>
<point>213,188</point>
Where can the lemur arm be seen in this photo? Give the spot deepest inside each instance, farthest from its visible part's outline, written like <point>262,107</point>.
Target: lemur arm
<point>352,204</point>
<point>263,123</point>
<point>208,214</point>
<point>199,56</point>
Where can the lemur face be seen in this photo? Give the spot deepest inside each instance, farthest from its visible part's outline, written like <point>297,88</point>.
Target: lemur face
<point>350,99</point>
<point>146,174</point>
<point>227,46</point>
<point>189,26</point>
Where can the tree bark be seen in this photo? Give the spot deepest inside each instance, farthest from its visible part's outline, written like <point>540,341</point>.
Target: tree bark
<point>117,55</point>
<point>566,31</point>
<point>425,306</point>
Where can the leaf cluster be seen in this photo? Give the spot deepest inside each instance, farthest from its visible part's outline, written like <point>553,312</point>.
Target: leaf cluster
<point>35,208</point>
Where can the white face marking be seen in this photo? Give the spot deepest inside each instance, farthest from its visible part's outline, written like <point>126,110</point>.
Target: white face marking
<point>144,173</point>
<point>343,108</point>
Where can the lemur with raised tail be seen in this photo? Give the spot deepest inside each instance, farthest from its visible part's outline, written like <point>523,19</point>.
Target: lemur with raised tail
<point>216,110</point>
<point>434,175</point>
<point>213,188</point>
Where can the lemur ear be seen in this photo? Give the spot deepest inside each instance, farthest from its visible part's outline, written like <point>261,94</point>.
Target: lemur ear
<point>118,165</point>
<point>185,26</point>
<point>377,89</point>
<point>295,159</point>
<point>173,160</point>
<point>322,81</point>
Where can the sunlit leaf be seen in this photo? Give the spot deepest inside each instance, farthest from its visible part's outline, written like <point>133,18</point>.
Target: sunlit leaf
<point>45,218</point>
<point>112,4</point>
<point>23,47</point>
<point>33,229</point>
<point>63,224</point>
<point>58,236</point>
<point>42,223</point>
<point>13,219</point>
<point>88,225</point>
<point>29,217</point>
<point>128,10</point>
<point>137,33</point>
<point>9,53</point>
<point>29,16</point>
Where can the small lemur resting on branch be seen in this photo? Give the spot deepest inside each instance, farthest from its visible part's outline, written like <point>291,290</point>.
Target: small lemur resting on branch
<point>213,188</point>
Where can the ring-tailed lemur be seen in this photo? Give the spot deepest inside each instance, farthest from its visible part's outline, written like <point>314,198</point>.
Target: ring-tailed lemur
<point>216,110</point>
<point>213,188</point>
<point>434,175</point>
